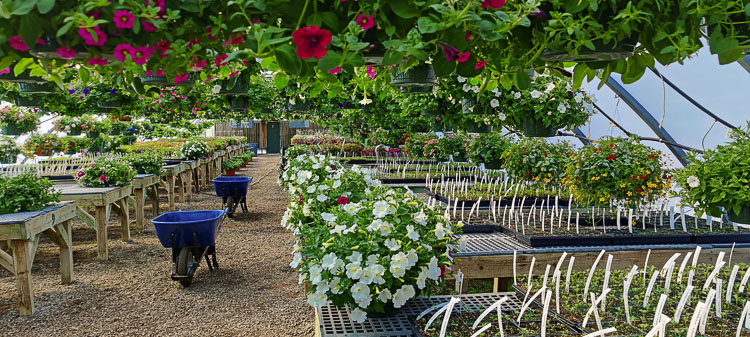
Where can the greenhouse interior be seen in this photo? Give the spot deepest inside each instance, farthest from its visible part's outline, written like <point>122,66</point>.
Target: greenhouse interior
<point>366,168</point>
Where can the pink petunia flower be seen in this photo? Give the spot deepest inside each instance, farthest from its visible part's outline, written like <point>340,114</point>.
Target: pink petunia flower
<point>158,4</point>
<point>450,52</point>
<point>147,25</point>
<point>365,21</point>
<point>180,78</point>
<point>463,57</point>
<point>96,61</point>
<point>123,19</point>
<point>197,64</point>
<point>123,50</point>
<point>333,71</point>
<point>480,64</point>
<point>371,71</point>
<point>493,3</point>
<point>17,43</point>
<point>163,48</point>
<point>5,71</point>
<point>88,38</point>
<point>142,54</point>
<point>219,59</point>
<point>66,52</point>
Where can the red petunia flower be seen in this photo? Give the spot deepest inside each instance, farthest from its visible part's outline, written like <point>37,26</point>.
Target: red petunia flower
<point>365,21</point>
<point>611,157</point>
<point>463,57</point>
<point>311,42</point>
<point>17,43</point>
<point>480,64</point>
<point>493,3</point>
<point>163,47</point>
<point>343,200</point>
<point>123,19</point>
<point>219,59</point>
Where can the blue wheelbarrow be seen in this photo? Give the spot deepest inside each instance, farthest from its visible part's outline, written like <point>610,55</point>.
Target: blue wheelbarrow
<point>192,237</point>
<point>232,191</point>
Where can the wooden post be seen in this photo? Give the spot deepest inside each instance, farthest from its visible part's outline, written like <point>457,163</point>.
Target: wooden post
<point>139,216</point>
<point>66,252</point>
<point>155,199</point>
<point>189,183</point>
<point>124,219</point>
<point>180,187</point>
<point>169,182</point>
<point>101,233</point>
<point>21,258</point>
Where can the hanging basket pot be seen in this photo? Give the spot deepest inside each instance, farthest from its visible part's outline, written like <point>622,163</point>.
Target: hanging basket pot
<point>536,128</point>
<point>416,90</point>
<point>23,77</point>
<point>419,76</point>
<point>493,165</point>
<point>93,135</point>
<point>12,130</point>
<point>239,88</point>
<point>49,50</point>
<point>36,88</point>
<point>469,107</point>
<point>162,81</point>
<point>298,106</point>
<point>240,103</point>
<point>109,104</point>
<point>7,159</point>
<point>74,132</point>
<point>743,217</point>
<point>478,127</point>
<point>623,50</point>
<point>28,102</point>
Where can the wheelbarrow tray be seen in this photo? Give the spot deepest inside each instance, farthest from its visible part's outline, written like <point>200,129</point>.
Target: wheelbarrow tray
<point>231,186</point>
<point>204,224</point>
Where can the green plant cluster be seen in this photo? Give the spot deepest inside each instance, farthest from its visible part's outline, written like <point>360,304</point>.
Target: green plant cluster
<point>536,160</point>
<point>145,163</point>
<point>26,192</point>
<point>232,164</point>
<point>106,172</point>
<point>488,148</point>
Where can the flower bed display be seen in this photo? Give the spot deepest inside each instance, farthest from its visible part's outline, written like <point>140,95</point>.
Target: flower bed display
<point>106,172</point>
<point>44,145</point>
<point>195,149</point>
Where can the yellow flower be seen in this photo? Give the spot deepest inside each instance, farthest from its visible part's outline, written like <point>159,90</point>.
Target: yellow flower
<point>622,185</point>
<point>604,174</point>
<point>630,193</point>
<point>601,199</point>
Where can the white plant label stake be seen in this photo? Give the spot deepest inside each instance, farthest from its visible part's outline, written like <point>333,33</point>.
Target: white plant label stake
<point>691,274</point>
<point>659,308</point>
<point>718,297</point>
<point>682,266</point>
<point>447,316</point>
<point>557,291</point>
<point>567,276</point>
<point>695,320</point>
<point>743,319</point>
<point>545,312</point>
<point>626,290</point>
<point>515,275</point>
<point>730,285</point>
<point>630,221</point>
<point>527,303</point>
<point>683,300</point>
<point>591,272</point>
<point>645,266</point>
<point>487,311</point>
<point>605,285</point>
<point>695,256</point>
<point>706,310</point>
<point>744,280</point>
<point>544,281</point>
<point>650,287</point>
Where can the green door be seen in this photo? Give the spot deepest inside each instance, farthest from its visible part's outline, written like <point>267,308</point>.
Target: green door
<point>273,137</point>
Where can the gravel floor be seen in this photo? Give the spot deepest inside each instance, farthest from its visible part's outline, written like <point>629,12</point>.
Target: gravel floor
<point>254,293</point>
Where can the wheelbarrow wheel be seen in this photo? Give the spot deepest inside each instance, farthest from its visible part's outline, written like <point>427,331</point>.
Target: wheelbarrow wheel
<point>184,261</point>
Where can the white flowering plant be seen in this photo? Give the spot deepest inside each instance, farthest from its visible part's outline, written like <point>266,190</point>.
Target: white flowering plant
<point>371,251</point>
<point>9,149</point>
<point>195,149</point>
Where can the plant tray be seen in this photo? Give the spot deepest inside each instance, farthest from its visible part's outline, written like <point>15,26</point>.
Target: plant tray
<point>722,238</point>
<point>504,202</point>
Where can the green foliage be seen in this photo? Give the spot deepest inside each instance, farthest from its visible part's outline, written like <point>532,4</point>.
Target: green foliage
<point>145,163</point>
<point>719,177</point>
<point>21,118</point>
<point>25,193</point>
<point>536,160</point>
<point>106,172</point>
<point>232,164</point>
<point>488,147</point>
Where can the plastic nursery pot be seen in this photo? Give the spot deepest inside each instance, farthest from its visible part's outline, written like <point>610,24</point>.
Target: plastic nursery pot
<point>162,81</point>
<point>229,173</point>
<point>536,128</point>
<point>49,50</point>
<point>239,88</point>
<point>23,77</point>
<point>11,130</point>
<point>300,106</point>
<point>743,217</point>
<point>622,50</point>
<point>420,76</point>
<point>416,90</point>
<point>109,104</point>
<point>74,132</point>
<point>493,165</point>
<point>7,159</point>
<point>478,128</point>
<point>469,107</point>
<point>93,134</point>
<point>240,103</point>
<point>35,88</point>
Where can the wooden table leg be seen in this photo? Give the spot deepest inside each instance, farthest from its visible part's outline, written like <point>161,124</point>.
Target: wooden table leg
<point>124,219</point>
<point>170,192</point>
<point>189,183</point>
<point>155,200</point>
<point>21,259</point>
<point>66,251</point>
<point>101,233</point>
<point>139,216</point>
<point>180,187</point>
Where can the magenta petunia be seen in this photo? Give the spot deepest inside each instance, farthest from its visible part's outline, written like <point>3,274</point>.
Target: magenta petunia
<point>158,4</point>
<point>365,21</point>
<point>218,61</point>
<point>212,36</point>
<point>311,42</point>
<point>123,19</point>
<point>5,71</point>
<point>371,71</point>
<point>463,57</point>
<point>180,78</point>
<point>99,38</point>
<point>66,52</point>
<point>333,71</point>
<point>197,64</point>
<point>480,64</point>
<point>163,47</point>
<point>468,35</point>
<point>451,53</point>
<point>17,43</point>
<point>147,25</point>
<point>142,54</point>
<point>96,61</point>
<point>123,50</point>
<point>493,3</point>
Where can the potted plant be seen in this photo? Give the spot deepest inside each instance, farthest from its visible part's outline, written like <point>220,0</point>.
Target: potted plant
<point>118,127</point>
<point>9,150</point>
<point>489,149</point>
<point>99,128</point>
<point>145,163</point>
<point>16,121</point>
<point>76,144</point>
<point>453,145</point>
<point>74,126</point>
<point>718,179</point>
<point>231,166</point>
<point>538,161</point>
<point>44,145</point>
<point>36,88</point>
<point>617,171</point>
<point>26,192</point>
<point>195,149</point>
<point>106,172</point>
<point>421,75</point>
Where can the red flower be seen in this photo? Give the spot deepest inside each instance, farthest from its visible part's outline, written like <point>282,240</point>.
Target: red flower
<point>123,50</point>
<point>311,42</point>
<point>651,156</point>
<point>525,153</point>
<point>142,54</point>
<point>638,190</point>
<point>219,59</point>
<point>343,200</point>
<point>17,43</point>
<point>480,65</point>
<point>611,157</point>
<point>163,47</point>
<point>123,19</point>
<point>493,3</point>
<point>333,166</point>
<point>468,35</point>
<point>180,78</point>
<point>611,145</point>
<point>88,38</point>
<point>147,25</point>
<point>66,52</point>
<point>596,149</point>
<point>365,21</point>
<point>545,154</point>
<point>463,57</point>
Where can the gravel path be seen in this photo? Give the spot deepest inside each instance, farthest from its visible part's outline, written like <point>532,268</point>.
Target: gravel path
<point>254,293</point>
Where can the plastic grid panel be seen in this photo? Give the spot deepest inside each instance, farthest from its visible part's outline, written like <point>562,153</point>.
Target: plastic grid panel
<point>491,242</point>
<point>335,322</point>
<point>15,218</point>
<point>75,189</point>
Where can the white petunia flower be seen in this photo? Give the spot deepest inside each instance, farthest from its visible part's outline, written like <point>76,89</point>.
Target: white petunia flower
<point>322,197</point>
<point>433,269</point>
<point>399,263</point>
<point>562,108</point>
<point>439,231</point>
<point>693,181</point>
<point>358,315</point>
<point>353,271</point>
<point>317,299</point>
<point>516,95</point>
<point>328,217</point>
<point>365,101</point>
<point>329,261</point>
<point>337,229</point>
<point>494,103</point>
<point>316,274</point>
<point>501,116</point>
<point>461,79</point>
<point>336,184</point>
<point>384,295</point>
<point>382,208</point>
<point>215,89</point>
<point>367,276</point>
<point>535,93</point>
<point>411,233</point>
<point>412,258</point>
<point>311,189</point>
<point>360,290</point>
<point>402,295</point>
<point>296,260</point>
<point>420,217</point>
<point>422,277</point>
<point>356,257</point>
<point>351,208</point>
<point>392,244</point>
<point>550,87</point>
<point>335,286</point>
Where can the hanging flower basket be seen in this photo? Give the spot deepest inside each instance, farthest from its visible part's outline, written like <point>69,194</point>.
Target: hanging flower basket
<point>93,135</point>
<point>23,77</point>
<point>239,88</point>
<point>240,103</point>
<point>11,130</point>
<point>109,104</point>
<point>478,127</point>
<point>536,128</point>
<point>743,217</point>
<point>36,88</point>
<point>298,106</point>
<point>7,159</point>
<point>420,76</point>
<point>623,50</point>
<point>416,90</point>
<point>28,102</point>
<point>162,81</point>
<point>49,50</point>
<point>74,132</point>
<point>469,106</point>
